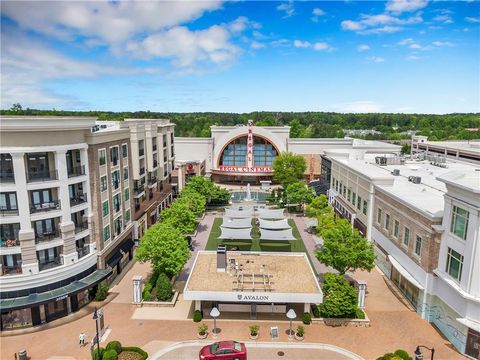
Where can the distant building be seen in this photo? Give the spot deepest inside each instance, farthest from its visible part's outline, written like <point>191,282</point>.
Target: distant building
<point>361,132</point>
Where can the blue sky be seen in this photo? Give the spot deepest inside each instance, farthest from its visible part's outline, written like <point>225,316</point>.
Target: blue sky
<point>412,56</point>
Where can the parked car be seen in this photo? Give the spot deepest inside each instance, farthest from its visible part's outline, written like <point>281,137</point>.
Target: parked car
<point>224,350</point>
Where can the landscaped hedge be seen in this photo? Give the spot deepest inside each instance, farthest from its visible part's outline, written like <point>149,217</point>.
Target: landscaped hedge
<point>164,288</point>
<point>97,353</point>
<point>340,299</point>
<point>197,316</point>
<point>102,292</point>
<point>114,345</point>
<point>110,355</point>
<point>397,355</point>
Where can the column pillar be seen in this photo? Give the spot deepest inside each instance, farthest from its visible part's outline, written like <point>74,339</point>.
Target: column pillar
<point>70,254</point>
<point>306,307</point>
<point>23,201</point>
<point>137,289</point>
<point>371,205</point>
<point>198,305</point>
<point>29,252</point>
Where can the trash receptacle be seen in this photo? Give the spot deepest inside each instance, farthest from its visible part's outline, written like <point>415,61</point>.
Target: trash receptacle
<point>22,355</point>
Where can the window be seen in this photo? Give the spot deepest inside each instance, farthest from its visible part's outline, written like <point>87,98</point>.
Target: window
<point>116,203</point>
<point>344,190</point>
<point>396,226</point>
<point>124,150</point>
<point>387,221</point>
<point>364,207</point>
<point>459,223</point>
<point>126,195</point>
<point>406,236</point>
<point>117,223</point>
<point>114,155</point>
<point>336,185</point>
<point>418,245</point>
<point>125,173</point>
<point>105,208</point>
<point>127,216</point>
<point>349,194</point>
<point>354,198</point>
<point>359,203</point>
<point>379,216</point>
<point>454,264</point>
<point>8,201</point>
<point>115,179</point>
<point>101,157</point>
<point>103,183</point>
<point>106,233</point>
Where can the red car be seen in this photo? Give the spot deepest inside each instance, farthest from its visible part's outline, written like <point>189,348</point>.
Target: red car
<point>224,350</point>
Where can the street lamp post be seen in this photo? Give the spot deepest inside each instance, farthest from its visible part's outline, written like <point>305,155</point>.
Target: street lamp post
<point>419,355</point>
<point>291,315</point>
<point>95,317</point>
<point>214,313</point>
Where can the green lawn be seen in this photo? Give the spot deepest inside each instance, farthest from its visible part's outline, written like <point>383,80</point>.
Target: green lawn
<point>256,244</point>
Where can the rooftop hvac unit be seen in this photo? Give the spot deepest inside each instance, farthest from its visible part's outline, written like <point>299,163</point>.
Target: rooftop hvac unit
<point>396,172</point>
<point>415,179</point>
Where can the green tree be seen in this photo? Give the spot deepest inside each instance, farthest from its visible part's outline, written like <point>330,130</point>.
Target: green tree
<point>325,221</point>
<point>345,249</point>
<point>298,193</point>
<point>205,187</point>
<point>317,206</point>
<point>339,298</point>
<point>288,168</point>
<point>165,247</point>
<point>181,217</point>
<point>406,149</point>
<point>195,201</point>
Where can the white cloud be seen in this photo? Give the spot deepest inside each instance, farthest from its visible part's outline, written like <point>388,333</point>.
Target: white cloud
<point>413,57</point>
<point>363,47</point>
<point>352,25</point>
<point>442,43</point>
<point>375,59</point>
<point>321,46</point>
<point>257,45</point>
<point>414,46</point>
<point>317,12</point>
<point>400,6</point>
<point>387,29</point>
<point>445,19</point>
<point>241,24</point>
<point>358,107</point>
<point>287,7</point>
<point>379,23</point>
<point>472,19</point>
<point>301,44</point>
<point>406,41</point>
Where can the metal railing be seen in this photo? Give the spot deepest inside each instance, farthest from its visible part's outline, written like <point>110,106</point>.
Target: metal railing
<point>46,206</point>
<point>42,175</point>
<point>11,270</point>
<point>7,177</point>
<point>138,190</point>
<point>142,171</point>
<point>79,199</point>
<point>40,237</point>
<point>81,227</point>
<point>58,261</point>
<point>4,211</point>
<point>76,171</point>
<point>152,180</point>
<point>83,251</point>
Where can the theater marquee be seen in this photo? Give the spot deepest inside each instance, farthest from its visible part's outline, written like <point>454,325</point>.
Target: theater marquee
<point>245,169</point>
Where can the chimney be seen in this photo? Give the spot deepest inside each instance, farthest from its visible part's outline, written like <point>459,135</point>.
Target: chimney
<point>221,258</point>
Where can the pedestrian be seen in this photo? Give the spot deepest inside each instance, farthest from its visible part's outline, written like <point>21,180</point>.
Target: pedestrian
<point>81,339</point>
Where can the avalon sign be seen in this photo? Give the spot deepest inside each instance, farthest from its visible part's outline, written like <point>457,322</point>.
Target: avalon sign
<point>246,169</point>
<point>241,297</point>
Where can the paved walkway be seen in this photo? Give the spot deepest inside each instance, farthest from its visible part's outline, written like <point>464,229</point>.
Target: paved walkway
<point>393,325</point>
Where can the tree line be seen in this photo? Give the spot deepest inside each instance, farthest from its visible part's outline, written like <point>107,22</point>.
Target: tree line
<point>303,124</point>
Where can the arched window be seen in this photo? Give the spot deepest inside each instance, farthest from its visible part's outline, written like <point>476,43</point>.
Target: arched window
<point>235,153</point>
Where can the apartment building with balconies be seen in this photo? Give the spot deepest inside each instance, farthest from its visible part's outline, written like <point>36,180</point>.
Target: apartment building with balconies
<point>424,222</point>
<point>153,160</point>
<point>48,256</point>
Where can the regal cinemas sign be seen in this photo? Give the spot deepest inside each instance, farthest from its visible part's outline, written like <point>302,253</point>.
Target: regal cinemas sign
<point>245,169</point>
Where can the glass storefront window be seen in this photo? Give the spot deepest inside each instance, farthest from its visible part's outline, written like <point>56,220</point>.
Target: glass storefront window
<point>235,154</point>
<point>83,298</point>
<point>17,319</point>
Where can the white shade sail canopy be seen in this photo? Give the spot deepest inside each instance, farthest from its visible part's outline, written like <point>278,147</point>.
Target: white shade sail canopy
<point>274,224</point>
<point>238,214</point>
<point>233,223</point>
<point>235,234</point>
<point>271,213</point>
<point>276,234</point>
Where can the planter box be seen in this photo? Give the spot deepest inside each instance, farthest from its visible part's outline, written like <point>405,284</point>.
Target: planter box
<point>344,322</point>
<point>170,303</point>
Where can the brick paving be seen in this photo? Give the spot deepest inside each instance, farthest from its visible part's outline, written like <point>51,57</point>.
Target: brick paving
<point>393,325</point>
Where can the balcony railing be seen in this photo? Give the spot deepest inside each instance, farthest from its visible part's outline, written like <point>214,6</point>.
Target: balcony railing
<point>41,237</point>
<point>138,190</point>
<point>141,152</point>
<point>142,171</point>
<point>154,147</point>
<point>76,171</point>
<point>83,251</point>
<point>7,177</point>
<point>116,208</point>
<point>115,184</point>
<point>155,164</point>
<point>12,270</point>
<point>33,176</point>
<point>46,206</point>
<point>58,261</point>
<point>4,211</point>
<point>8,243</point>
<point>152,180</point>
<point>81,227</point>
<point>79,199</point>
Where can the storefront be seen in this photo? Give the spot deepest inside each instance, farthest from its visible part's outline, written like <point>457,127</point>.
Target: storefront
<point>38,308</point>
<point>120,257</point>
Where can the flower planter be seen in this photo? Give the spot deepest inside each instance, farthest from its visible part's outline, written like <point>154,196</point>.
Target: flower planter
<point>254,337</point>
<point>200,336</point>
<point>299,338</point>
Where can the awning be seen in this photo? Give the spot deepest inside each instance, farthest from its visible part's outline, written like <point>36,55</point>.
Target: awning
<point>235,234</point>
<point>62,292</point>
<point>271,213</point>
<point>237,223</point>
<point>238,214</point>
<point>127,245</point>
<point>409,277</point>
<point>115,259</point>
<point>274,224</point>
<point>276,234</point>
<point>472,324</point>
